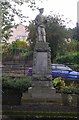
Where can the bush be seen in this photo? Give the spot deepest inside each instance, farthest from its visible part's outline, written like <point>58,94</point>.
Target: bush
<point>71,89</point>
<point>20,84</point>
<point>61,86</point>
<point>58,83</point>
<point>69,58</point>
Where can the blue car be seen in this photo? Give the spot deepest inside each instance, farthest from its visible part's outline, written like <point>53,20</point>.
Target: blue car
<point>60,70</point>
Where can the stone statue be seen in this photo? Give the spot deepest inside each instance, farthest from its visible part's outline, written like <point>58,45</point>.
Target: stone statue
<point>40,22</point>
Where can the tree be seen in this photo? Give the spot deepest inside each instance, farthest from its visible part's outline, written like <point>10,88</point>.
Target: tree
<point>76,33</point>
<point>6,20</point>
<point>32,34</point>
<point>31,3</point>
<point>8,13</point>
<point>55,34</point>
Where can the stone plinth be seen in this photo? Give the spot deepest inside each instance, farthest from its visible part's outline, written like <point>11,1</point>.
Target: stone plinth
<point>42,89</point>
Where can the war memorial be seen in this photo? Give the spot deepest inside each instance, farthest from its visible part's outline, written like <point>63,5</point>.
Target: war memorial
<point>42,89</point>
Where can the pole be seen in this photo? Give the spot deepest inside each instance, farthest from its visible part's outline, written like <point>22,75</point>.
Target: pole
<point>78,20</point>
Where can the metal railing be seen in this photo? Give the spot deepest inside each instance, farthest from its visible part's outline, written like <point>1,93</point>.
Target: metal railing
<point>17,70</point>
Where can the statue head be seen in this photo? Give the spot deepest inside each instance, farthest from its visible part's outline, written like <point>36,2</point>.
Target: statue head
<point>41,10</point>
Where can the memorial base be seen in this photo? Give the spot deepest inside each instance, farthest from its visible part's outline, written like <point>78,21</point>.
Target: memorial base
<point>41,95</point>
<point>42,89</point>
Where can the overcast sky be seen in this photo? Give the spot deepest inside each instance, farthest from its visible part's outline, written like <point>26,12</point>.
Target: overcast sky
<point>68,8</point>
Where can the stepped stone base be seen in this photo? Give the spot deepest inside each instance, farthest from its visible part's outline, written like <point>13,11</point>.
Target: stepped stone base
<point>41,94</point>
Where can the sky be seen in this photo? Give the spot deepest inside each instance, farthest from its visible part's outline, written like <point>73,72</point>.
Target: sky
<point>67,8</point>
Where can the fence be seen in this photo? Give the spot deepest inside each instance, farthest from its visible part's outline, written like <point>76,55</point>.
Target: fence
<point>16,70</point>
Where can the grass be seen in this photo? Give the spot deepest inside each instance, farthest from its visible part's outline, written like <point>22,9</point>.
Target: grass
<point>41,114</point>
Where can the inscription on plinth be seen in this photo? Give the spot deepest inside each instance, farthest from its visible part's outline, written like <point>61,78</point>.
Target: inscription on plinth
<point>41,64</point>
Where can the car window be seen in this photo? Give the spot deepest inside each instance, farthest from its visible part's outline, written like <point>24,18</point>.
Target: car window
<point>53,67</point>
<point>65,68</point>
<point>60,67</point>
<point>68,68</point>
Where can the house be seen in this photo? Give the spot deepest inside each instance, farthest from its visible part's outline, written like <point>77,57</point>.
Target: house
<point>18,32</point>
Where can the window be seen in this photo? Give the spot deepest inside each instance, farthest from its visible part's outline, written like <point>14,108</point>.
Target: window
<point>21,37</point>
<point>61,67</point>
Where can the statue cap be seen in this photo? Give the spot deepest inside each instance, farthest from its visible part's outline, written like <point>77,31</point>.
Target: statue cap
<point>41,9</point>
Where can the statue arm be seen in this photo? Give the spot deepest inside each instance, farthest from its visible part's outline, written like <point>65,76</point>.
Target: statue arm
<point>36,21</point>
<point>45,20</point>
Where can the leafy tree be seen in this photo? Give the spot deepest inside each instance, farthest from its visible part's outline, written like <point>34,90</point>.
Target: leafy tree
<point>76,32</point>
<point>31,3</point>
<point>6,51</point>
<point>6,20</point>
<point>32,34</point>
<point>69,33</point>
<point>55,34</point>
<point>8,13</point>
<point>69,58</point>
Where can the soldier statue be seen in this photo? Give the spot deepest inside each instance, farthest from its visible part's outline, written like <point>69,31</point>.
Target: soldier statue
<point>40,22</point>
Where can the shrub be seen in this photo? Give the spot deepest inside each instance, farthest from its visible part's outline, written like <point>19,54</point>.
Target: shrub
<point>20,84</point>
<point>60,86</point>
<point>71,89</point>
<point>58,83</point>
